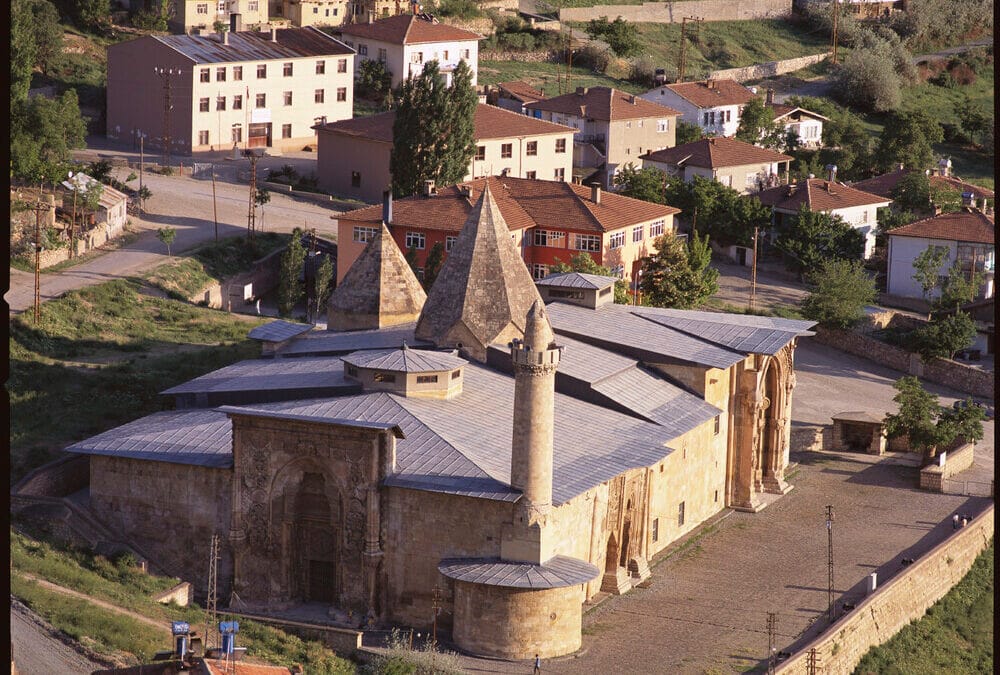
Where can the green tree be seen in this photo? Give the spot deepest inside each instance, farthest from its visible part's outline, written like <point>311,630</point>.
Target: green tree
<point>323,283</point>
<point>912,192</point>
<point>374,81</point>
<point>958,288</point>
<point>945,198</point>
<point>167,236</point>
<point>260,199</point>
<point>290,286</point>
<point>434,129</point>
<point>687,132</point>
<point>943,336</point>
<point>846,141</point>
<point>23,51</point>
<point>87,14</point>
<point>90,200</point>
<point>728,217</point>
<point>840,290</point>
<point>868,80</point>
<point>645,184</point>
<point>621,36</point>
<point>908,138</point>
<point>47,33</point>
<point>928,426</point>
<point>889,219</point>
<point>757,125</point>
<point>927,268</point>
<point>42,133</point>
<point>977,122</point>
<point>677,275</point>
<point>584,264</point>
<point>435,259</point>
<point>814,236</point>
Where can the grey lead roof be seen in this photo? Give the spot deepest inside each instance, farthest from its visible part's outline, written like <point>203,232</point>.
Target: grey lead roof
<point>557,572</point>
<point>405,360</point>
<point>278,331</point>
<point>657,400</point>
<point>269,375</point>
<point>742,332</point>
<point>255,46</point>
<point>318,343</point>
<point>577,280</point>
<point>333,421</point>
<point>587,363</point>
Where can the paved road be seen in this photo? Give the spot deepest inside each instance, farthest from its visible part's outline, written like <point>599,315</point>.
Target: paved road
<point>38,652</point>
<point>734,287</point>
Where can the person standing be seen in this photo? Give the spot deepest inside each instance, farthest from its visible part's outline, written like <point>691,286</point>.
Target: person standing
<point>538,665</point>
<point>954,522</point>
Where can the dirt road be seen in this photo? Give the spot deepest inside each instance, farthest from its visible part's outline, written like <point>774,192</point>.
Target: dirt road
<point>37,650</point>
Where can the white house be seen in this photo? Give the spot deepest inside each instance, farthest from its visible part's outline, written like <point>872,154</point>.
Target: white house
<point>969,237</point>
<point>805,124</point>
<point>404,43</point>
<point>741,166</point>
<point>112,209</point>
<point>714,105</point>
<point>858,209</point>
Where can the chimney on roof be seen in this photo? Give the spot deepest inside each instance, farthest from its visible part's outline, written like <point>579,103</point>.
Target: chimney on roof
<point>710,83</point>
<point>631,99</point>
<point>224,36</point>
<point>769,96</point>
<point>429,189</point>
<point>235,22</point>
<point>274,34</point>
<point>900,166</point>
<point>831,172</point>
<point>415,6</point>
<point>595,193</point>
<point>387,207</point>
<point>581,91</point>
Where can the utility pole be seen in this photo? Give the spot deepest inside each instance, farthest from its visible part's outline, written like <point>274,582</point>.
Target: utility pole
<point>681,57</point>
<point>772,619</point>
<point>829,560</point>
<point>436,606</point>
<point>211,604</point>
<point>753,272</point>
<point>165,74</point>
<point>38,207</point>
<point>72,225</point>
<point>252,210</point>
<point>142,165</point>
<point>836,11</point>
<point>215,208</point>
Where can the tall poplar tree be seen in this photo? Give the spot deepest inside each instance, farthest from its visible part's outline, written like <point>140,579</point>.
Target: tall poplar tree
<point>433,133</point>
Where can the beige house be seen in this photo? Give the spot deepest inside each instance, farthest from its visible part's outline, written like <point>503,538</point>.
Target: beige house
<point>199,16</point>
<point>235,90</point>
<point>304,13</point>
<point>614,128</point>
<point>353,155</point>
<point>714,105</point>
<point>741,166</point>
<point>405,42</point>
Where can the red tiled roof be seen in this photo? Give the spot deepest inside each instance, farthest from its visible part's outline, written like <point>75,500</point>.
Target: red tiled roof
<point>710,93</point>
<point>408,29</point>
<point>522,91</point>
<point>603,103</point>
<point>490,122</point>
<point>714,153</point>
<point>965,225</point>
<point>817,195</point>
<point>524,203</point>
<point>887,182</point>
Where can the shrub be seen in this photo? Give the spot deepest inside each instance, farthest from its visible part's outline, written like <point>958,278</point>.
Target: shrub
<point>594,57</point>
<point>642,70</point>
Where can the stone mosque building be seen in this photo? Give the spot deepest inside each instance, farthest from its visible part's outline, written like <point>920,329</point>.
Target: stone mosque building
<point>511,448</point>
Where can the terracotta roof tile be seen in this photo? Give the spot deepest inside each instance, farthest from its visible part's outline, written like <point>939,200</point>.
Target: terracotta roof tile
<point>522,91</point>
<point>524,203</point>
<point>490,122</point>
<point>408,29</point>
<point>603,103</point>
<point>818,195</point>
<point>887,182</point>
<point>965,225</point>
<point>716,152</point>
<point>711,93</point>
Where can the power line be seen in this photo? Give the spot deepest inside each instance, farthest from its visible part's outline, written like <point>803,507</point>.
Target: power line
<point>165,74</point>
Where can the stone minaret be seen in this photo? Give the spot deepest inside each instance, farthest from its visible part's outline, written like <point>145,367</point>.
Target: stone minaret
<point>535,360</point>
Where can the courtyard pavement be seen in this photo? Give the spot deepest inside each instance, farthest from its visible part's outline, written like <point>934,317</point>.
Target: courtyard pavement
<point>705,608</point>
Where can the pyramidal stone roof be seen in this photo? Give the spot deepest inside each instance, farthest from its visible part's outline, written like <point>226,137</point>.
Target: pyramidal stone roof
<point>484,291</point>
<point>378,290</point>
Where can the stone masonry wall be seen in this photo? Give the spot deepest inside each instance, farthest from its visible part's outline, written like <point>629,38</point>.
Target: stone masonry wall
<point>901,600</point>
<point>60,478</point>
<point>673,12</point>
<point>956,460</point>
<point>759,71</point>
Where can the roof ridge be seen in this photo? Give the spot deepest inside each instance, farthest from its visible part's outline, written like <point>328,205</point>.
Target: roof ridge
<point>685,332</point>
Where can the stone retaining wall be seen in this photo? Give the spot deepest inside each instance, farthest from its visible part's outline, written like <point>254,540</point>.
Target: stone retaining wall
<point>759,71</point>
<point>956,460</point>
<point>180,594</point>
<point>528,57</point>
<point>57,479</point>
<point>809,439</point>
<point>901,600</point>
<point>673,12</point>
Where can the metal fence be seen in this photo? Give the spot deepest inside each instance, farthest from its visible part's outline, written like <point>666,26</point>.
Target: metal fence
<point>970,488</point>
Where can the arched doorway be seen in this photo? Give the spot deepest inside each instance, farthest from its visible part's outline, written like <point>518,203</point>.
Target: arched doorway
<point>771,431</point>
<point>314,541</point>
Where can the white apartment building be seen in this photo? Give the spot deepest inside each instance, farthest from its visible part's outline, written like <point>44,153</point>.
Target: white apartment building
<point>242,90</point>
<point>714,105</point>
<point>201,15</point>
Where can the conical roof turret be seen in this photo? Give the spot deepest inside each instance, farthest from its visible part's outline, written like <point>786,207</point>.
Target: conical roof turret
<point>537,330</point>
<point>378,290</point>
<point>484,291</point>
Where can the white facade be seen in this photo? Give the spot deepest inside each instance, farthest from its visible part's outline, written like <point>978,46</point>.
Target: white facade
<point>403,61</point>
<point>808,131</point>
<point>904,250</point>
<point>722,120</point>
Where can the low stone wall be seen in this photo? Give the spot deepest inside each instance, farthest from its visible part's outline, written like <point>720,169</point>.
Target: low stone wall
<point>809,439</point>
<point>901,600</point>
<point>263,276</point>
<point>344,641</point>
<point>528,57</point>
<point>481,26</point>
<point>56,479</point>
<point>673,12</point>
<point>180,594</point>
<point>956,460</point>
<point>759,71</point>
<point>961,377</point>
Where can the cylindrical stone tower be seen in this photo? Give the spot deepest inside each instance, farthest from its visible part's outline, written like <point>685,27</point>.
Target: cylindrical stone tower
<point>535,359</point>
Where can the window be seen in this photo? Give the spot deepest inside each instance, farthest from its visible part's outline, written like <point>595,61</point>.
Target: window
<point>705,120</point>
<point>464,53</point>
<point>253,6</point>
<point>449,243</point>
<point>328,12</point>
<point>680,514</point>
<point>364,234</point>
<point>220,103</point>
<point>220,74</point>
<point>205,75</point>
<point>238,102</point>
<point>587,242</point>
<point>286,70</point>
<point>560,145</point>
<point>729,115</point>
<point>548,238</point>
<point>341,65</point>
<point>383,56</point>
<point>352,371</point>
<point>384,377</point>
<point>617,239</point>
<point>539,271</point>
<point>638,233</point>
<point>506,150</point>
<point>237,73</point>
<point>628,125</point>
<point>202,138</point>
<point>715,429</point>
<point>202,8</point>
<point>287,97</point>
<point>261,101</point>
<point>531,148</point>
<point>560,173</point>
<point>426,379</point>
<point>417,57</point>
<point>716,495</point>
<point>640,123</point>
<point>203,104</point>
<point>286,130</point>
<point>318,96</point>
<point>455,374</point>
<point>616,271</point>
<point>415,240</point>
<point>356,179</point>
<point>864,216</point>
<point>321,67</point>
<point>237,134</point>
<point>662,126</point>
<point>341,94</point>
<point>480,153</point>
<point>262,71</point>
<point>315,10</point>
<point>656,228</point>
<point>362,49</point>
<point>656,529</point>
<point>530,175</point>
<point>444,55</point>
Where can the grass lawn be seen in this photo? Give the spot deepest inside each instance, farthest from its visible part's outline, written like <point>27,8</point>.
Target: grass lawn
<point>546,76</point>
<point>954,636</point>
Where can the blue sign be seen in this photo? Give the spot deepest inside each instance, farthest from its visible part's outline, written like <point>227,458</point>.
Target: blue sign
<point>180,627</point>
<point>229,626</point>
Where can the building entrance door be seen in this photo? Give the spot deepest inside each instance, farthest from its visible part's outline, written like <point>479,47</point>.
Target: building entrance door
<point>322,581</point>
<point>259,135</point>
